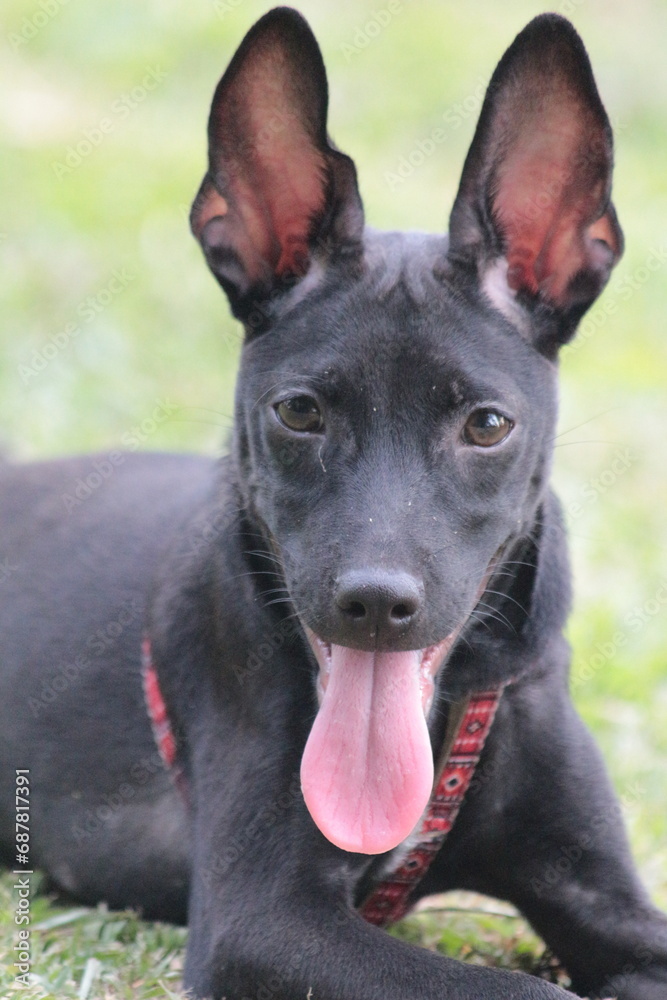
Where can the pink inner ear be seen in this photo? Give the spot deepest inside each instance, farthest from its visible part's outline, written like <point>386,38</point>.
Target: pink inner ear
<point>278,183</point>
<point>549,188</point>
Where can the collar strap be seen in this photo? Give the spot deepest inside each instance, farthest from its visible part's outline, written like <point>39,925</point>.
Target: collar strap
<point>469,724</point>
<point>157,710</point>
<point>157,713</point>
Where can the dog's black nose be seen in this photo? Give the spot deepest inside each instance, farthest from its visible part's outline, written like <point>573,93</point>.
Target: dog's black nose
<point>378,603</point>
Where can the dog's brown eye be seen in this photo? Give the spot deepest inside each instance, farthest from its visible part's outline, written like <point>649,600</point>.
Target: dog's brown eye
<point>300,413</point>
<point>485,428</point>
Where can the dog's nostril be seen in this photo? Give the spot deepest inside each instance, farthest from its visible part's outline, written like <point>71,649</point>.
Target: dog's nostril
<point>378,602</point>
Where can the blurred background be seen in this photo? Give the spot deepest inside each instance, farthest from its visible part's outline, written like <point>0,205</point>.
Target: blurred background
<point>108,311</point>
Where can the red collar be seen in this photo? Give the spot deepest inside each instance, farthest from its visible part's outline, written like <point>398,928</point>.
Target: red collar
<point>390,899</point>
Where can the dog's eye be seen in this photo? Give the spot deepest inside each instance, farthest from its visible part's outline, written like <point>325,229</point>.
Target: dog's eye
<point>485,428</point>
<point>300,413</point>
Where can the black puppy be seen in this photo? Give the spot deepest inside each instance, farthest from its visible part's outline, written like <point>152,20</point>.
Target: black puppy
<point>332,615</point>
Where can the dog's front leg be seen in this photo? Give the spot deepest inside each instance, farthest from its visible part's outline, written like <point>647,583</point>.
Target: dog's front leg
<point>270,907</point>
<point>556,847</point>
<point>584,894</point>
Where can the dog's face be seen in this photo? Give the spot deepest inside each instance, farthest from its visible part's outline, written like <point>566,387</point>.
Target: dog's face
<point>396,403</point>
<point>396,434</point>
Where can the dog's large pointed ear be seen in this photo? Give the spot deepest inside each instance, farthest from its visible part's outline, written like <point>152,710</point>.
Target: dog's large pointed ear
<point>276,191</point>
<point>533,211</point>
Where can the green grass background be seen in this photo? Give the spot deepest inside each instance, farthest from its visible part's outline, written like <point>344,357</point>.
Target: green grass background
<point>168,335</point>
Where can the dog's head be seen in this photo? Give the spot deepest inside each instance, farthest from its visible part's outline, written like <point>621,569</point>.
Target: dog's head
<point>396,403</point>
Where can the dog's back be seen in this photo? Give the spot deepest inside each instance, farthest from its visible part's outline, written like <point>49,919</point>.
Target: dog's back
<point>82,539</point>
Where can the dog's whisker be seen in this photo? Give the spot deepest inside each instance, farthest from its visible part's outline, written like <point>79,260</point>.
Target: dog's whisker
<point>294,614</point>
<point>589,420</point>
<point>273,590</point>
<point>252,572</point>
<point>572,444</point>
<point>265,554</point>
<point>277,600</point>
<point>496,615</point>
<point>507,597</point>
<point>481,619</point>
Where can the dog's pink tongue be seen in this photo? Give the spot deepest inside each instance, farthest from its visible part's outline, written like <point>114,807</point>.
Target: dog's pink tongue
<point>367,770</point>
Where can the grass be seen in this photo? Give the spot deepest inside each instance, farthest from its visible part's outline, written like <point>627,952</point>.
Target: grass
<point>82,953</point>
<point>166,334</point>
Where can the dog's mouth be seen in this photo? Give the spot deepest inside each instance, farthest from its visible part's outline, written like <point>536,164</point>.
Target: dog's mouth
<point>367,769</point>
